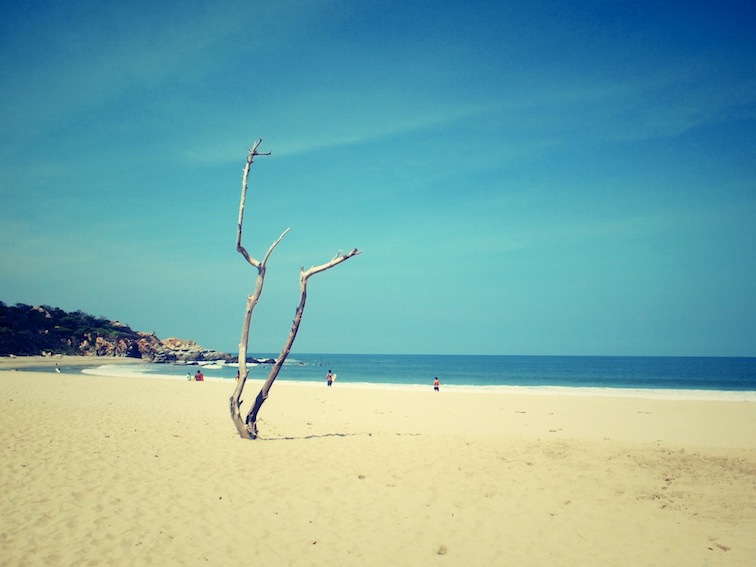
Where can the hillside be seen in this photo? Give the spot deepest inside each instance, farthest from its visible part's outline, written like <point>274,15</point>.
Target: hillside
<point>34,330</point>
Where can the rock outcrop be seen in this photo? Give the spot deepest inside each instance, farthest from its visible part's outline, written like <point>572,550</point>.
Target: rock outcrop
<point>177,350</point>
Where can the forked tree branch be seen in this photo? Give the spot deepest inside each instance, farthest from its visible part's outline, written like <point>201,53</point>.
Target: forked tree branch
<point>304,276</point>
<point>252,299</point>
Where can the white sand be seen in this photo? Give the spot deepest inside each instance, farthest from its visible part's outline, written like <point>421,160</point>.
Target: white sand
<point>113,471</point>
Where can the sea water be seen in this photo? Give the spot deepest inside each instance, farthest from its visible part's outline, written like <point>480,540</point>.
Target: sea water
<point>697,377</point>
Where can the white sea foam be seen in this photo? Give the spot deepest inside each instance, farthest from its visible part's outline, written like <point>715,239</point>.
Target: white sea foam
<point>145,371</point>
<point>643,393</point>
<point>129,371</point>
<point>652,394</point>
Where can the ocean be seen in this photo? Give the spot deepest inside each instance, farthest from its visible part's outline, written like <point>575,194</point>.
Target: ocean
<point>694,377</point>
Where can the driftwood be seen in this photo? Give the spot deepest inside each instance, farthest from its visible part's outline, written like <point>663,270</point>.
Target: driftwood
<point>251,421</point>
<point>247,428</point>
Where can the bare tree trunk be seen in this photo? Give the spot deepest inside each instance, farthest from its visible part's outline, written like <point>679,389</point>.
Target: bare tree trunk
<point>251,421</point>
<point>248,428</point>
<point>252,299</point>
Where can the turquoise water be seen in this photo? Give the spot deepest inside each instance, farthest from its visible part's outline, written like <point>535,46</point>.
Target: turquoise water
<point>729,374</point>
<point>648,373</point>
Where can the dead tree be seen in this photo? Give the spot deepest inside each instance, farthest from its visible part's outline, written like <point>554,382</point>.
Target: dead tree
<point>247,428</point>
<point>304,276</point>
<point>252,299</point>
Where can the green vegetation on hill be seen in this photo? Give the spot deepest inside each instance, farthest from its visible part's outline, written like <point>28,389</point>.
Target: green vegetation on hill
<point>27,330</point>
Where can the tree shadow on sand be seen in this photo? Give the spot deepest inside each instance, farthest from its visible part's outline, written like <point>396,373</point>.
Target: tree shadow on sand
<point>313,436</point>
<point>324,435</point>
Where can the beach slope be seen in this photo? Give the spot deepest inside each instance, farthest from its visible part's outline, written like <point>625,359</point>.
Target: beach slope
<point>112,471</point>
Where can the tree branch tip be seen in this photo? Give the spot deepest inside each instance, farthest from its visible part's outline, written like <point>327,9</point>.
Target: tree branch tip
<point>349,254</point>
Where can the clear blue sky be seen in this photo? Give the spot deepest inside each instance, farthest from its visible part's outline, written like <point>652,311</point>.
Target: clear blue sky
<point>521,178</point>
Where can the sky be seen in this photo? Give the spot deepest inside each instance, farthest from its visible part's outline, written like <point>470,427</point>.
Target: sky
<point>521,178</point>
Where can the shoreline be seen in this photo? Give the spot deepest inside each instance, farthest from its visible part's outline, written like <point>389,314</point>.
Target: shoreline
<point>17,362</point>
<point>99,366</point>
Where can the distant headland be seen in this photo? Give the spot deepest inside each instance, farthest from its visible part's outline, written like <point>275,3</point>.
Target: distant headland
<point>27,330</point>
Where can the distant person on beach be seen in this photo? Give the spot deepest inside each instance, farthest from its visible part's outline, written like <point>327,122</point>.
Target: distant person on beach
<point>329,378</point>
<point>199,377</point>
<point>57,368</point>
<point>188,376</point>
<point>435,384</point>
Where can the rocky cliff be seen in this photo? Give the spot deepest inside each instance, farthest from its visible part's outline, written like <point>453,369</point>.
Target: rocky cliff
<point>27,330</point>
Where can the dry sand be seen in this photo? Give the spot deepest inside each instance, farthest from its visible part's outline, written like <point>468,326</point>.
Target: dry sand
<point>141,471</point>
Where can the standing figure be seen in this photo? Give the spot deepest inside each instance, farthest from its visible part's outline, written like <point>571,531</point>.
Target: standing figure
<point>435,384</point>
<point>329,378</point>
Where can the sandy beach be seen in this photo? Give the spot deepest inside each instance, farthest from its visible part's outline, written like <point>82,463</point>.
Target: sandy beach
<point>99,470</point>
